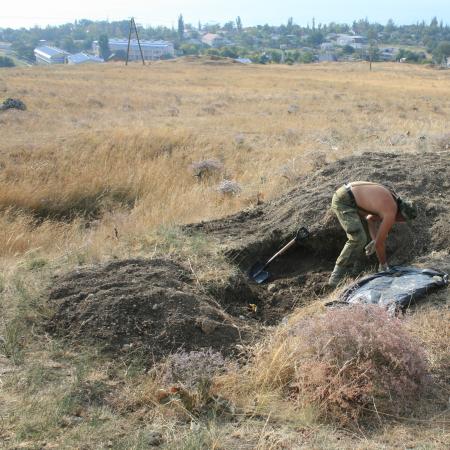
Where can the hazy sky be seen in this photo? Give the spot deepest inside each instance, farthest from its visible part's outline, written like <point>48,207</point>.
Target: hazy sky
<point>27,13</point>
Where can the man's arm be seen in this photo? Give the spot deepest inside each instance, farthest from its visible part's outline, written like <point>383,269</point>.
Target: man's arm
<point>380,240</point>
<point>372,222</point>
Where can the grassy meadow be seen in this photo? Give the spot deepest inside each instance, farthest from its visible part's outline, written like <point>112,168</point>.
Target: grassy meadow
<point>102,165</point>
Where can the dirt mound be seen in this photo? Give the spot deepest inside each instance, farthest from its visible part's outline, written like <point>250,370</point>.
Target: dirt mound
<point>156,305</point>
<point>151,305</point>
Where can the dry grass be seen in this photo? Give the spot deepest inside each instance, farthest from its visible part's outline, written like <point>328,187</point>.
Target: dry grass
<point>98,139</point>
<point>100,165</point>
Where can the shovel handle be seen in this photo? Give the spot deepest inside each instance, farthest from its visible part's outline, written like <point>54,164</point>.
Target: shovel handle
<point>286,247</point>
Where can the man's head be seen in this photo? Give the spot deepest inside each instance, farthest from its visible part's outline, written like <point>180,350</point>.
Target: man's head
<point>407,209</point>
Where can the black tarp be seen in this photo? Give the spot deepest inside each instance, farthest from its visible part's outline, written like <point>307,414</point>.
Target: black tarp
<point>395,289</point>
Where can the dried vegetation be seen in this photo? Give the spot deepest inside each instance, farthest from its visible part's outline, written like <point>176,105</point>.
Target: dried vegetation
<point>85,180</point>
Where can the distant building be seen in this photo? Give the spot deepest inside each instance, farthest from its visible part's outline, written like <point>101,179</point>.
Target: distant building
<point>151,50</point>
<point>215,40</point>
<point>357,42</point>
<point>83,58</point>
<point>243,60</point>
<point>448,62</point>
<point>388,54</point>
<point>327,46</point>
<point>50,55</point>
<point>210,38</point>
<point>6,46</point>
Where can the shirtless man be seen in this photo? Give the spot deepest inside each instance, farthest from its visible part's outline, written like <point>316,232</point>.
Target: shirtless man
<point>364,209</point>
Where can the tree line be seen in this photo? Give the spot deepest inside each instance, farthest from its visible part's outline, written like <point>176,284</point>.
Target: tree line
<point>244,41</point>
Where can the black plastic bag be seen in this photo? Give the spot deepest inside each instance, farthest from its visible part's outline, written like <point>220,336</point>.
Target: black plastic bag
<point>396,288</point>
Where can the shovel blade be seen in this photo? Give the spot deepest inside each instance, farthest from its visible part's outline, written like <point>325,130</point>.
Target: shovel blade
<point>258,274</point>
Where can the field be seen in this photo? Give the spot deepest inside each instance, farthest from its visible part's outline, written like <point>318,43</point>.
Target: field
<point>108,162</point>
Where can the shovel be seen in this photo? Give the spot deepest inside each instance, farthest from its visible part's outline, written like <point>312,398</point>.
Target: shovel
<point>259,274</point>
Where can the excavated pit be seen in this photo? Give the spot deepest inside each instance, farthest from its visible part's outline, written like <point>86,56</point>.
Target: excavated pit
<point>115,304</point>
<point>300,275</point>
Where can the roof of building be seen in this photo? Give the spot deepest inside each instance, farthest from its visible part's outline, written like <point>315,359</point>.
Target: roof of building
<point>244,60</point>
<point>48,51</point>
<point>79,58</point>
<point>143,43</point>
<point>209,38</point>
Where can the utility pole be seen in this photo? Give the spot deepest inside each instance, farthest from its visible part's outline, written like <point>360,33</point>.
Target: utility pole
<point>133,25</point>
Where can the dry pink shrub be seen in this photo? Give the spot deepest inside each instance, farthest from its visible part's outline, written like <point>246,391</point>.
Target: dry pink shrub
<point>356,362</point>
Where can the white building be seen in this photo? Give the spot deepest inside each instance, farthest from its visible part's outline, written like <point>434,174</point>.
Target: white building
<point>243,60</point>
<point>327,46</point>
<point>151,50</point>
<point>357,42</point>
<point>215,40</point>
<point>83,58</point>
<point>50,55</point>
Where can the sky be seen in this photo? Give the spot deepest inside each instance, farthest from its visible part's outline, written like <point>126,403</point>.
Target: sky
<point>27,13</point>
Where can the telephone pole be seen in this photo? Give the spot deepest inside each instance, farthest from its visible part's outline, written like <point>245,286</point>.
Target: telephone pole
<point>133,25</point>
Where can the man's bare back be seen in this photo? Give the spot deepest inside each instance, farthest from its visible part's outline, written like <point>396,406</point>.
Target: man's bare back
<point>376,204</point>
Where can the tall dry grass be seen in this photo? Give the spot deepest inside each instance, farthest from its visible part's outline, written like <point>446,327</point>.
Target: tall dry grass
<point>113,145</point>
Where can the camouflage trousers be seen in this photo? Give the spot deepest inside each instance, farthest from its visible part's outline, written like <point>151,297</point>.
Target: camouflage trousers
<point>356,229</point>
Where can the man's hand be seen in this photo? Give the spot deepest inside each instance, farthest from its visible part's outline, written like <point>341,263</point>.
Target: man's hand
<point>383,267</point>
<point>370,248</point>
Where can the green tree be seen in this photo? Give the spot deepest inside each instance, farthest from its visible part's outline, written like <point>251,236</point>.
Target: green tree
<point>24,51</point>
<point>229,26</point>
<point>190,49</point>
<point>69,45</point>
<point>180,27</point>
<point>87,44</point>
<point>103,44</point>
<point>239,24</point>
<point>315,38</point>
<point>276,56</point>
<point>373,53</point>
<point>441,52</point>
<point>229,52</point>
<point>348,50</point>
<point>120,55</point>
<point>5,61</point>
<point>306,57</point>
<point>290,25</point>
<point>390,26</point>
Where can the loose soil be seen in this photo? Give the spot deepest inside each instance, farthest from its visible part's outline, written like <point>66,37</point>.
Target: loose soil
<point>156,305</point>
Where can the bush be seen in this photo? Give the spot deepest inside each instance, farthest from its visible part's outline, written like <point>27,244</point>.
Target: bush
<point>13,103</point>
<point>229,188</point>
<point>354,363</point>
<point>188,379</point>
<point>5,61</point>
<point>206,168</point>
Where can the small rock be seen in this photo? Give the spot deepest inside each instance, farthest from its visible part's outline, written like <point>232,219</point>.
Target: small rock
<point>207,326</point>
<point>155,306</point>
<point>272,287</point>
